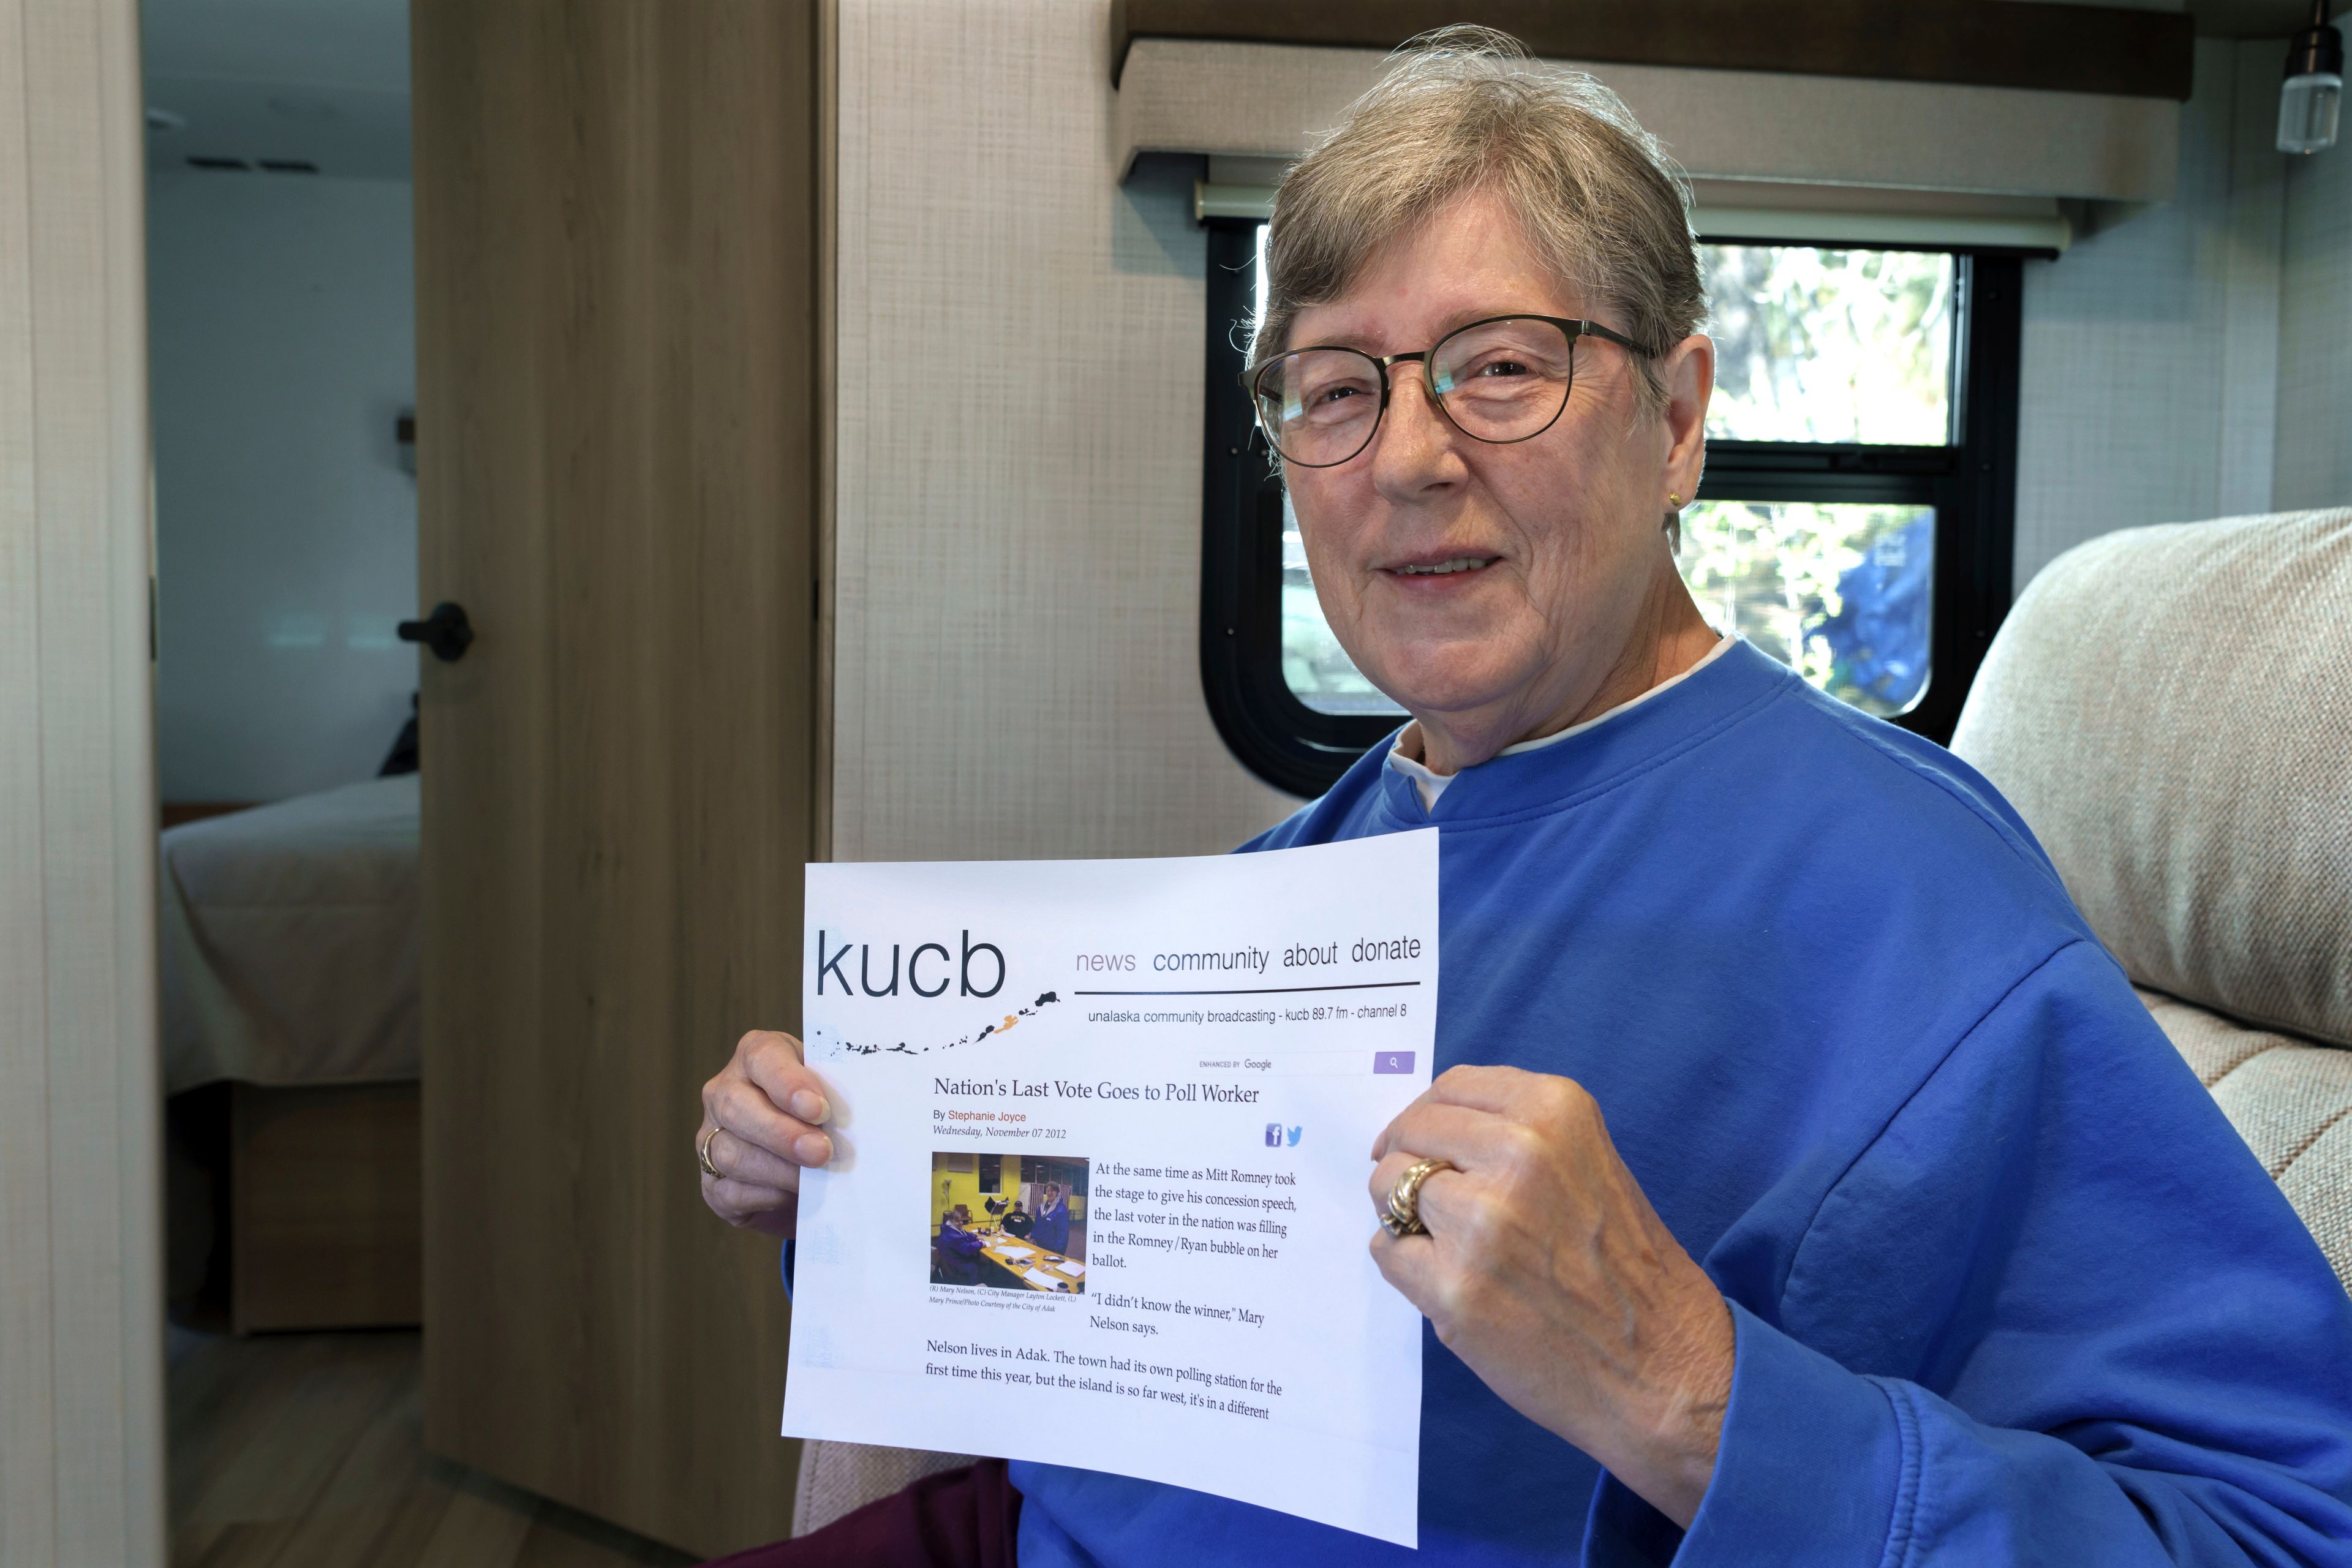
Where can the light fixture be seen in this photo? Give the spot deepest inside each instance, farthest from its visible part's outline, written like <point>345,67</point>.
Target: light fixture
<point>2314,93</point>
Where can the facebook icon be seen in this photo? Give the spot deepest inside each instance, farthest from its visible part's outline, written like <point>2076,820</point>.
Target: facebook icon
<point>1274,1134</point>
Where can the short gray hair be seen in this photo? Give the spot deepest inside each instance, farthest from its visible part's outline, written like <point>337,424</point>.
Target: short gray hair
<point>1465,109</point>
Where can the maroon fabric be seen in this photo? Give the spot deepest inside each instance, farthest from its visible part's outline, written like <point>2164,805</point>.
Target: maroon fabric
<point>956,1518</point>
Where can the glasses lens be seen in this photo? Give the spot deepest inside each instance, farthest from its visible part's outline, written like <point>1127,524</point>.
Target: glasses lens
<point>1504,380</point>
<point>1318,405</point>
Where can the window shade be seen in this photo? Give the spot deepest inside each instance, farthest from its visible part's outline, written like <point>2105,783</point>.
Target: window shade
<point>1268,100</point>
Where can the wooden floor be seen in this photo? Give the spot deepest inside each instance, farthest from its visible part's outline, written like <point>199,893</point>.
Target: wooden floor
<point>289,1450</point>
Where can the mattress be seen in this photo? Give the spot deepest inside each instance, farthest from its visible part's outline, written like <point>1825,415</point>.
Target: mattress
<point>289,940</point>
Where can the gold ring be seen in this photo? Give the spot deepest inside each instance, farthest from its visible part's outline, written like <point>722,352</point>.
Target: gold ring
<point>704,1151</point>
<point>1403,1215</point>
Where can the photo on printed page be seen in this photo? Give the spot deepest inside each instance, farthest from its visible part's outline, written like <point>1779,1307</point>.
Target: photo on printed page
<point>1009,1222</point>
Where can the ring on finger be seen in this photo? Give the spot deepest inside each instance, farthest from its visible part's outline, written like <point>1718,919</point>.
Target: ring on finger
<point>703,1151</point>
<point>1402,1217</point>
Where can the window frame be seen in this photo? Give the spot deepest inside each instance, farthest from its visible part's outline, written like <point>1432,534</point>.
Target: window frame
<point>1971,483</point>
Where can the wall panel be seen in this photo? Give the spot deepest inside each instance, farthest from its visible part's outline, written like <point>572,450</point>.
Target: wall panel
<point>1018,457</point>
<point>284,331</point>
<point>2151,347</point>
<point>80,1254</point>
<point>2314,396</point>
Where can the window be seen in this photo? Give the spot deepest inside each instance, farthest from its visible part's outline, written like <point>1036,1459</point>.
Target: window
<point>1855,521</point>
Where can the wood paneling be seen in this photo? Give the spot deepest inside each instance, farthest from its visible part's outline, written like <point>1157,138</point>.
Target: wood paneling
<point>81,1449</point>
<point>327,1208</point>
<point>1973,43</point>
<point>616,372</point>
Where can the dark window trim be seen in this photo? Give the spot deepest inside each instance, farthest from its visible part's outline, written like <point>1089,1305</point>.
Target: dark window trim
<point>1277,736</point>
<point>1971,483</point>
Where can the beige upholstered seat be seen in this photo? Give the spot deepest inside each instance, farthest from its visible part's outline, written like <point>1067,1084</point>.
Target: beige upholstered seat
<point>842,1478</point>
<point>2171,709</point>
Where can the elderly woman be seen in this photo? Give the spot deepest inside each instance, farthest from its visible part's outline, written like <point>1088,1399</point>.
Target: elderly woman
<point>1052,1227</point>
<point>1812,1187</point>
<point>955,1250</point>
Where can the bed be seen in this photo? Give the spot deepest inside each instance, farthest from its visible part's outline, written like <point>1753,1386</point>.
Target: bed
<point>289,941</point>
<point>288,944</point>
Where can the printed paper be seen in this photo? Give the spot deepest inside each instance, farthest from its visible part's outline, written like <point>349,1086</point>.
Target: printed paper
<point>1103,1129</point>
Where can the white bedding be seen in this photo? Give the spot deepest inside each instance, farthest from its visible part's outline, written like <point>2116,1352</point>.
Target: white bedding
<point>289,940</point>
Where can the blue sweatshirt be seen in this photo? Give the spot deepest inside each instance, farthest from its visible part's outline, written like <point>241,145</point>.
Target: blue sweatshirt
<point>2006,1286</point>
<point>1050,1230</point>
<point>958,1252</point>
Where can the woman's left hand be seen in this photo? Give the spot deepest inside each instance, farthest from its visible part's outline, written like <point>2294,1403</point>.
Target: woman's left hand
<point>1546,1270</point>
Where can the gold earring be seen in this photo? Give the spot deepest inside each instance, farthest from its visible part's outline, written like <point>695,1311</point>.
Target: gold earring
<point>1674,500</point>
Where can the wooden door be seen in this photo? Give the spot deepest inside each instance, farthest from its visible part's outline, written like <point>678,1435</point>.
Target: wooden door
<point>615,231</point>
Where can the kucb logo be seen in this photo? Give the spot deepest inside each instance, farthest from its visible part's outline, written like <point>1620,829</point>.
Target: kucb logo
<point>833,965</point>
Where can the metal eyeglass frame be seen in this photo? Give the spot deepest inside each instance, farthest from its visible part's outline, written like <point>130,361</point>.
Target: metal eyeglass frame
<point>1571,328</point>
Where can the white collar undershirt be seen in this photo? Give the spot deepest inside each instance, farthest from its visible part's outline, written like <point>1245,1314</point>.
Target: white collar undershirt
<point>1430,786</point>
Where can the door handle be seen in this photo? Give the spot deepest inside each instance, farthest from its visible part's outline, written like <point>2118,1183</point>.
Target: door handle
<point>446,631</point>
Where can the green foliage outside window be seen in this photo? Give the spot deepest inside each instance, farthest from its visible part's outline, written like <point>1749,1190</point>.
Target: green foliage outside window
<point>1829,345</point>
<point>1771,571</point>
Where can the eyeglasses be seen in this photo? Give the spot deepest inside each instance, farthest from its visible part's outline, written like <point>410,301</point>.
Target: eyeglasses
<point>1501,380</point>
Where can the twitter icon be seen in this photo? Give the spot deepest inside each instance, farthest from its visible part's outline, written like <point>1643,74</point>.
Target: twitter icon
<point>1293,1136</point>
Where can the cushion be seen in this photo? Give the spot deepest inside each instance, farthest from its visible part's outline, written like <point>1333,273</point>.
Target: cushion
<point>837,1478</point>
<point>2171,709</point>
<point>2291,1100</point>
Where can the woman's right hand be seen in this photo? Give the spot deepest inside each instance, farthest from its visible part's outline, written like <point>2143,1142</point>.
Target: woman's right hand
<point>770,1111</point>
